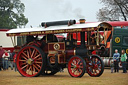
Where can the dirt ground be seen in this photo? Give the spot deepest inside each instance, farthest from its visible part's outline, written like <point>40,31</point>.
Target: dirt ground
<point>10,77</point>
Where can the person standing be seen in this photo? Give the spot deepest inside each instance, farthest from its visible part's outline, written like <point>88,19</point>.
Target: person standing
<point>123,61</point>
<point>116,57</point>
<point>1,54</point>
<point>5,60</point>
<point>12,55</point>
<point>14,60</point>
<point>10,60</point>
<point>112,66</point>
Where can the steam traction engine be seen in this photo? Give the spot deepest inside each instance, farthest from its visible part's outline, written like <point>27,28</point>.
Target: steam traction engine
<point>47,55</point>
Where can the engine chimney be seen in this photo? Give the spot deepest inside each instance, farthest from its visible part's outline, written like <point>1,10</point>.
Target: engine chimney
<point>82,21</point>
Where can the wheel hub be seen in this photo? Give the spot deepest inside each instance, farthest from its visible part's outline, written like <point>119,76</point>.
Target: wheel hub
<point>29,61</point>
<point>76,66</point>
<point>95,66</point>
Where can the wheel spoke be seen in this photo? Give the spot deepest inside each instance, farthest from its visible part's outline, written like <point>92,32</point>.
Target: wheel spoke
<point>22,60</point>
<point>99,67</point>
<point>77,71</point>
<point>23,63</point>
<point>24,54</point>
<point>27,68</point>
<point>74,70</point>
<point>39,59</point>
<point>24,66</point>
<point>28,54</point>
<point>80,67</point>
<point>36,67</point>
<point>37,56</point>
<point>74,61</point>
<point>38,62</point>
<point>95,71</point>
<point>81,64</point>
<point>33,53</point>
<point>31,70</point>
<point>24,57</point>
<point>72,66</point>
<point>98,63</point>
<point>78,60</point>
<point>34,71</point>
<point>80,70</point>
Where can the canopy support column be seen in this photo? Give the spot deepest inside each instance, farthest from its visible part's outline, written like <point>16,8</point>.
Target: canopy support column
<point>82,35</point>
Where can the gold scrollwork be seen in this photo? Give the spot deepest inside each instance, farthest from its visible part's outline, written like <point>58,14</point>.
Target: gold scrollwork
<point>56,46</point>
<point>127,51</point>
<point>117,39</point>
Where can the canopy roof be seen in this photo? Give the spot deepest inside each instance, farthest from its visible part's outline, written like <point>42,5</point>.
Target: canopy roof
<point>60,29</point>
<point>118,23</point>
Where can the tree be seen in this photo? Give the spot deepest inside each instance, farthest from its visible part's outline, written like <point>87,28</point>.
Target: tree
<point>11,14</point>
<point>114,10</point>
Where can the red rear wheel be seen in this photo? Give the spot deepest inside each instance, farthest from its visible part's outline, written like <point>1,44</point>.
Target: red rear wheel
<point>76,66</point>
<point>95,66</point>
<point>30,61</point>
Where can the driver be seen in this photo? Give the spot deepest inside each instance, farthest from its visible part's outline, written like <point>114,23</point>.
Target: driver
<point>30,38</point>
<point>93,39</point>
<point>50,38</point>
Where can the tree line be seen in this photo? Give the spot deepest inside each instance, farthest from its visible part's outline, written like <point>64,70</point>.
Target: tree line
<point>113,10</point>
<point>11,14</point>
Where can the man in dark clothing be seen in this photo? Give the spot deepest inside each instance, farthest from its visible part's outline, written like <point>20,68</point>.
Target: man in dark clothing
<point>1,54</point>
<point>116,57</point>
<point>29,39</point>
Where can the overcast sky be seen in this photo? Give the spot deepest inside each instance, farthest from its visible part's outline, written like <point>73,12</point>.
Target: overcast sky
<point>51,10</point>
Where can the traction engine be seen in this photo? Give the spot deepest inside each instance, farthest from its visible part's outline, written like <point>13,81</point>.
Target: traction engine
<point>47,56</point>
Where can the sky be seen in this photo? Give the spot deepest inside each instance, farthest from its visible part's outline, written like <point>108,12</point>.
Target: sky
<point>38,11</point>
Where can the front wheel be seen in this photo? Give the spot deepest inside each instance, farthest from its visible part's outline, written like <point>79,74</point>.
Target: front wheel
<point>31,61</point>
<point>95,66</point>
<point>76,66</point>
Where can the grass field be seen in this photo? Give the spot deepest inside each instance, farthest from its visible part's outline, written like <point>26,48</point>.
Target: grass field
<point>10,77</point>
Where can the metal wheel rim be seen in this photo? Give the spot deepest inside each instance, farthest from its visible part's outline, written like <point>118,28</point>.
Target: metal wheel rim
<point>94,66</point>
<point>75,66</point>
<point>29,61</point>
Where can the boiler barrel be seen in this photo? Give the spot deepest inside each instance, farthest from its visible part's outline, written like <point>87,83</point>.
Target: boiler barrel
<point>66,22</point>
<point>81,52</point>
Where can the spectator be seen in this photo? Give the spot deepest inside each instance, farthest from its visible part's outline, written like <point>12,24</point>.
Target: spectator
<point>116,57</point>
<point>10,60</point>
<point>14,60</point>
<point>123,60</point>
<point>13,53</point>
<point>5,60</point>
<point>1,54</point>
<point>112,66</point>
